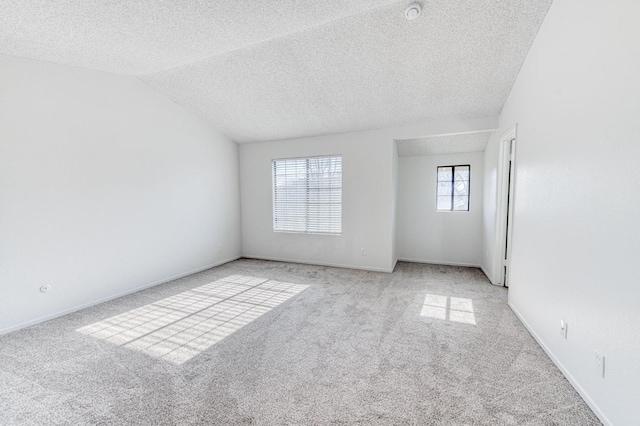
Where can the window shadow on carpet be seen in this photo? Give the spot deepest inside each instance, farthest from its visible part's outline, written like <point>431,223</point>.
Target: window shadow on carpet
<point>177,328</point>
<point>456,309</point>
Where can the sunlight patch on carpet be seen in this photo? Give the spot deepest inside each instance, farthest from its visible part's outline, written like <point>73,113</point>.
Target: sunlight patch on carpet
<point>456,309</point>
<point>180,327</point>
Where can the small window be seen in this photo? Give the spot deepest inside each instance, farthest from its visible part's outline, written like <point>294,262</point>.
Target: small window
<point>307,195</point>
<point>452,192</point>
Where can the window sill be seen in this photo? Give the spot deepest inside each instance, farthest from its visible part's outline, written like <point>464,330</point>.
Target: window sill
<point>336,234</point>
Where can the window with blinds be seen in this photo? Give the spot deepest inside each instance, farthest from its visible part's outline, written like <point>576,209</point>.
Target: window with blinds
<point>307,195</point>
<point>453,188</point>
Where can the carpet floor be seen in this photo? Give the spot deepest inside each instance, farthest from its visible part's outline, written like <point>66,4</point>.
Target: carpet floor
<point>271,343</point>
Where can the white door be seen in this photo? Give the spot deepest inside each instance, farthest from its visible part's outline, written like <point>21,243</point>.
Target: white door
<point>509,169</point>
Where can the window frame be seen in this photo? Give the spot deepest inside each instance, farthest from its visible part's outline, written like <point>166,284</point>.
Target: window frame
<point>453,177</point>
<point>273,196</point>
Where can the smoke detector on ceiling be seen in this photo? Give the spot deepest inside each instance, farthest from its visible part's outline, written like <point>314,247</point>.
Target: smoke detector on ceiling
<point>413,11</point>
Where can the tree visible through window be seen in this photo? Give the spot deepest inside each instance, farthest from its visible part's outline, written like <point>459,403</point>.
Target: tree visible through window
<point>307,195</point>
<point>453,188</point>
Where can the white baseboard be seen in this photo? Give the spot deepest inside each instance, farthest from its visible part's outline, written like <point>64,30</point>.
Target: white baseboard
<point>594,407</point>
<point>106,299</point>
<point>437,262</point>
<point>395,262</point>
<point>309,262</point>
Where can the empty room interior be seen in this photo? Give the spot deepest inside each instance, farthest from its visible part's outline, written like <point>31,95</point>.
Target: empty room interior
<point>336,212</point>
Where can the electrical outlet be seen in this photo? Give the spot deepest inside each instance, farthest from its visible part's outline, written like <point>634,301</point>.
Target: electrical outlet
<point>563,328</point>
<point>363,251</point>
<point>45,288</point>
<point>599,364</point>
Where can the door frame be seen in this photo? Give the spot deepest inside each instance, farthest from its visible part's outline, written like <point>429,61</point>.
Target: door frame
<point>505,202</point>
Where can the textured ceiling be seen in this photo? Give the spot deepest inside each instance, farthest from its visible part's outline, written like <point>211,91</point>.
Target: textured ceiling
<point>446,144</point>
<point>265,70</point>
<point>140,37</point>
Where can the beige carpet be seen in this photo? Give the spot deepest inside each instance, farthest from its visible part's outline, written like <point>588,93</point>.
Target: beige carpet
<point>255,342</point>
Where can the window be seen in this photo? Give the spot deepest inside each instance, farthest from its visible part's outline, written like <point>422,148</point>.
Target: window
<point>453,188</point>
<point>307,195</point>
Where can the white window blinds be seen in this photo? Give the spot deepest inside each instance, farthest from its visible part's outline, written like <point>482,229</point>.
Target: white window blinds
<point>307,195</point>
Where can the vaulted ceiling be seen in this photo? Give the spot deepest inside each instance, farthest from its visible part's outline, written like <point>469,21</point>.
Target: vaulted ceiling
<point>265,70</point>
<point>444,144</point>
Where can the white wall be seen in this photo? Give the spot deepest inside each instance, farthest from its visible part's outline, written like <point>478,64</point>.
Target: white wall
<point>106,186</point>
<point>366,202</point>
<point>576,235</point>
<point>426,235</point>
<point>369,159</point>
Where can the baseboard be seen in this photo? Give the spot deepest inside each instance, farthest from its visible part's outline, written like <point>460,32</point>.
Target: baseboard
<point>395,262</point>
<point>437,262</point>
<point>309,262</point>
<point>108,298</point>
<point>594,407</point>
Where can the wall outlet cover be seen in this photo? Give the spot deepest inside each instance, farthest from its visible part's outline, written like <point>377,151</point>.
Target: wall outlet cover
<point>563,328</point>
<point>599,363</point>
